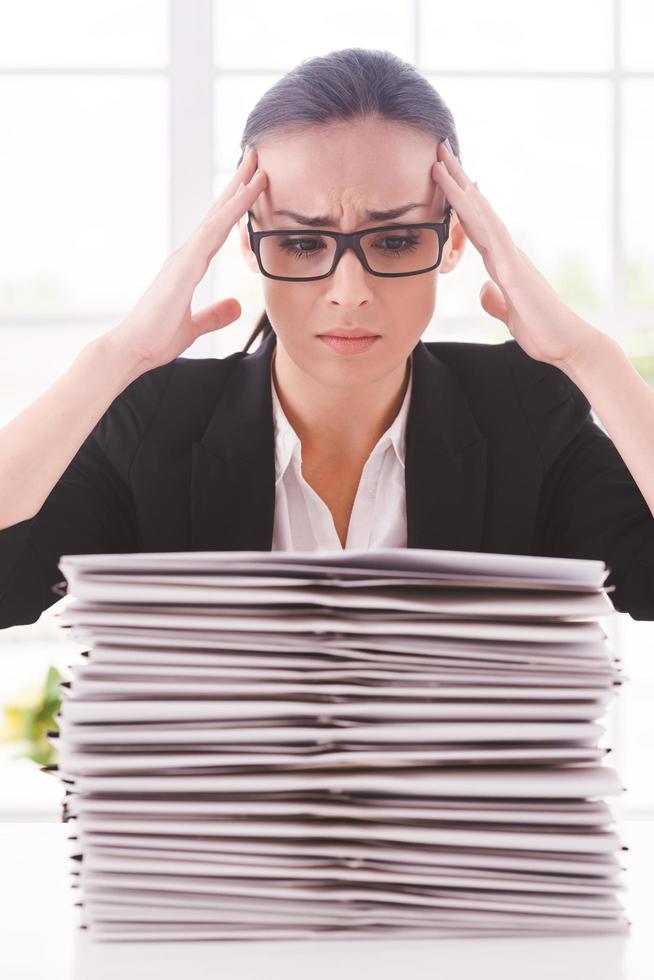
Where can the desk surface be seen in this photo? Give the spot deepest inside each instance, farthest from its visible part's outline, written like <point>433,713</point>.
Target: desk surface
<point>40,938</point>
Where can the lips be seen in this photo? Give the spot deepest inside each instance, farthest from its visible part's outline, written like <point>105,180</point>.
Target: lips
<point>353,334</point>
<point>349,345</point>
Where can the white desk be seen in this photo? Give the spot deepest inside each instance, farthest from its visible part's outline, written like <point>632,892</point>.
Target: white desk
<point>39,937</point>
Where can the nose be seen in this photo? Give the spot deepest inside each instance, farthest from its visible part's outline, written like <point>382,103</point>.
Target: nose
<point>350,283</point>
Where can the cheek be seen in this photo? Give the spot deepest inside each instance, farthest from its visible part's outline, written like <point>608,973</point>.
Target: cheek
<point>413,302</point>
<point>291,309</point>
<point>294,298</point>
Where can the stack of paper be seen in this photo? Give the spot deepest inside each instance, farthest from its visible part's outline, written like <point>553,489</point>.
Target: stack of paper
<point>290,744</point>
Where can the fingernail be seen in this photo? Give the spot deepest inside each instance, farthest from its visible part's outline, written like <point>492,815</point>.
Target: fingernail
<point>447,144</point>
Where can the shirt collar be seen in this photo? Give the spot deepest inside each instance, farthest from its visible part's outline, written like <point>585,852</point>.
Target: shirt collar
<point>287,442</point>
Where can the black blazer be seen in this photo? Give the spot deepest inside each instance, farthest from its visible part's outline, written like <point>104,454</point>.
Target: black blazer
<point>502,455</point>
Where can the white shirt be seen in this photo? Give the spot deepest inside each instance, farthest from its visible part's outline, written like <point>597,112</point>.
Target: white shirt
<point>303,522</point>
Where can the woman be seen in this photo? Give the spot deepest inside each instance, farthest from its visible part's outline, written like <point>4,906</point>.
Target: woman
<point>316,440</point>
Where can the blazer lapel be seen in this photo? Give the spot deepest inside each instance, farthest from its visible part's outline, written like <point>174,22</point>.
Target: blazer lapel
<point>233,464</point>
<point>445,462</point>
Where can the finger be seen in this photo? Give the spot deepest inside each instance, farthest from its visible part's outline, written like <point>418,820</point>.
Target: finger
<point>480,222</point>
<point>194,255</point>
<point>216,316</point>
<point>452,190</point>
<point>454,168</point>
<point>493,301</point>
<point>439,202</point>
<point>213,232</point>
<point>242,175</point>
<point>246,194</point>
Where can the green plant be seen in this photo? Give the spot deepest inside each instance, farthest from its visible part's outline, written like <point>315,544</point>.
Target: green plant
<point>28,719</point>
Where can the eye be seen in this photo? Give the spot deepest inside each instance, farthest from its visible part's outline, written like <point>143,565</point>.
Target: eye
<point>397,244</point>
<point>302,247</point>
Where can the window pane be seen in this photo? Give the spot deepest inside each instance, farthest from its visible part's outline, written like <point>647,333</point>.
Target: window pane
<point>34,357</point>
<point>85,193</point>
<point>638,217</point>
<point>541,153</point>
<point>506,35</point>
<point>291,26</point>
<point>637,35</point>
<point>230,276</point>
<point>74,33</point>
<point>638,209</point>
<point>234,99</point>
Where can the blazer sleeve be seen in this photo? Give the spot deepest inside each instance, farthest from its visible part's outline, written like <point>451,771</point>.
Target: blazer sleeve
<point>90,509</point>
<point>590,505</point>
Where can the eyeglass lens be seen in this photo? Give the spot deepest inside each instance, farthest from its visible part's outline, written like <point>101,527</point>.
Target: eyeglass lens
<point>302,254</point>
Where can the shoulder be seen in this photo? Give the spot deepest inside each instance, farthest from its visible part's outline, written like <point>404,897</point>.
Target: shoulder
<point>494,364</point>
<point>507,388</point>
<point>181,395</point>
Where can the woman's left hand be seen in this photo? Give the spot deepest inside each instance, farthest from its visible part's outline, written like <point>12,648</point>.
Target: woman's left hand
<point>539,320</point>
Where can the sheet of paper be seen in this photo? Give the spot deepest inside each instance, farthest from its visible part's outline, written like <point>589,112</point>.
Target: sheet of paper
<point>142,932</point>
<point>225,663</point>
<point>599,815</point>
<point>136,688</point>
<point>317,850</point>
<point>447,603</point>
<point>409,733</point>
<point>73,613</point>
<point>583,841</point>
<point>565,782</point>
<point>397,647</point>
<point>95,859</point>
<point>402,561</point>
<point>604,906</point>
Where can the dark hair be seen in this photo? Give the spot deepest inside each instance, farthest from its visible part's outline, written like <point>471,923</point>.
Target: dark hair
<point>353,83</point>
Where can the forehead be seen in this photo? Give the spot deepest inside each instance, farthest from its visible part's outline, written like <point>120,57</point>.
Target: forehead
<point>346,169</point>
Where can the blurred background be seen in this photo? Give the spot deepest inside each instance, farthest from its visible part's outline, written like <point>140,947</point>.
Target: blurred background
<point>121,124</point>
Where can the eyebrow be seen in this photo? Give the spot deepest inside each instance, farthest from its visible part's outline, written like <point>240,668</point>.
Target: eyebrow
<point>325,220</point>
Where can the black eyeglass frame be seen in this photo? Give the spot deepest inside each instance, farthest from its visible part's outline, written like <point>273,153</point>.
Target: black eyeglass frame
<point>350,240</point>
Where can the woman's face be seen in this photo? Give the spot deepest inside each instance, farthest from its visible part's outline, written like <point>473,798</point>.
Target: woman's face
<point>341,171</point>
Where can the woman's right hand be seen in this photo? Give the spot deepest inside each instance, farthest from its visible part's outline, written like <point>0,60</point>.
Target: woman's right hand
<point>161,326</point>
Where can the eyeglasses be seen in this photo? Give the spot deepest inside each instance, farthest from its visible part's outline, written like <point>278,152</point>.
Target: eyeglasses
<point>410,250</point>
